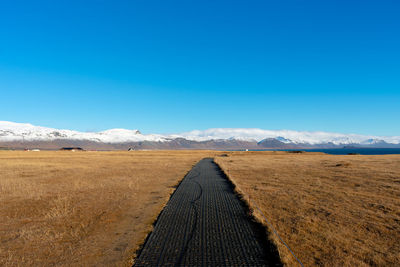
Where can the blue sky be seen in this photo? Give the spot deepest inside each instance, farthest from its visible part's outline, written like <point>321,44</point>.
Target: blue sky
<point>173,66</point>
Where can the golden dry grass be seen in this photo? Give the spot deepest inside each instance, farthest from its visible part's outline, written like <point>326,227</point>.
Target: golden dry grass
<point>83,208</point>
<point>331,210</point>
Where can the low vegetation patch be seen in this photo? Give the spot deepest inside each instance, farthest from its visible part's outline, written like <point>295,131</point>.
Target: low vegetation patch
<point>295,151</point>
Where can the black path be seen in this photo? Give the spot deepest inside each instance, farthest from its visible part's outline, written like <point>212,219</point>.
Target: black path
<point>204,224</point>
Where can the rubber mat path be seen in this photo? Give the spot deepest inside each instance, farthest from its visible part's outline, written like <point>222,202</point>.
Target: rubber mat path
<point>205,224</point>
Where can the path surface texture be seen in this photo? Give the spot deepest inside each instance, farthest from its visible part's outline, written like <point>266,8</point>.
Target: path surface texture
<point>205,224</point>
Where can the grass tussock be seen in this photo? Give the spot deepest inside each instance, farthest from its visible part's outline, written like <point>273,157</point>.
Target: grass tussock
<point>83,208</point>
<point>331,210</point>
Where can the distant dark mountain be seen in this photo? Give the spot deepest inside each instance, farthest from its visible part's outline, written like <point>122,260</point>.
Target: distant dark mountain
<point>175,144</point>
<point>23,135</point>
<point>274,143</point>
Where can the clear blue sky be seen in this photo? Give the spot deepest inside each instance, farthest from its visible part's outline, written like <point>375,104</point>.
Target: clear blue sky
<point>172,66</point>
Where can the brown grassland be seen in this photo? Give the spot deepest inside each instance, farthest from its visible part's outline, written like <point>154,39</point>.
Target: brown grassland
<point>96,208</point>
<point>331,210</point>
<point>83,208</point>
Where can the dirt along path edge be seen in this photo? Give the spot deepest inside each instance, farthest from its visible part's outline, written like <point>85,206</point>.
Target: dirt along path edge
<point>205,223</point>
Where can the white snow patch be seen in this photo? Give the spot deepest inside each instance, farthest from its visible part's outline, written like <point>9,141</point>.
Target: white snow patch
<point>11,131</point>
<point>298,137</point>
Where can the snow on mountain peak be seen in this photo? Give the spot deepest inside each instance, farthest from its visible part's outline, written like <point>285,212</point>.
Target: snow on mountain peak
<point>285,136</point>
<point>11,131</point>
<point>121,132</point>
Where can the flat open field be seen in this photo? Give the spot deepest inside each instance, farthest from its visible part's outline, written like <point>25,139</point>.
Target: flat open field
<point>331,210</point>
<point>83,208</point>
<point>96,208</point>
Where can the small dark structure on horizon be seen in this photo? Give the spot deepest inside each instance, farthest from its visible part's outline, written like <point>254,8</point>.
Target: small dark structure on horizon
<point>72,148</point>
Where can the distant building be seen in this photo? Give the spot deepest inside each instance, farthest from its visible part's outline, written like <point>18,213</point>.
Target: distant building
<point>72,149</point>
<point>131,149</point>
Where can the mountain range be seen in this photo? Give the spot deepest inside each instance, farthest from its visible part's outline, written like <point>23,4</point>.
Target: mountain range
<point>25,135</point>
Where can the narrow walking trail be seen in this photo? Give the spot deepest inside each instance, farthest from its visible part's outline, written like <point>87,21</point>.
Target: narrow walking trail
<point>205,224</point>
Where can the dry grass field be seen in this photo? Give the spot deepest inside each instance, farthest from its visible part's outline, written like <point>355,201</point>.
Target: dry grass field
<point>331,210</point>
<point>83,208</point>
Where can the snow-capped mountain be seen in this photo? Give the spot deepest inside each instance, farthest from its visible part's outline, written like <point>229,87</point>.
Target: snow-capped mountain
<point>287,136</point>
<point>11,131</point>
<point>21,134</point>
